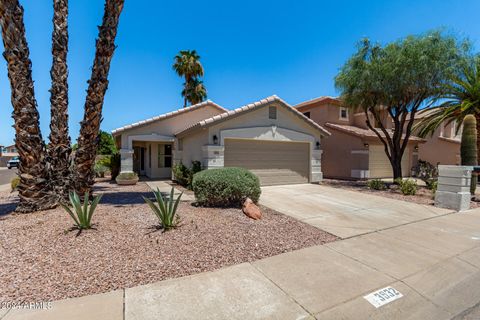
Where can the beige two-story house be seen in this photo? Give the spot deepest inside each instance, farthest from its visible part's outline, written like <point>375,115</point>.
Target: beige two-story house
<point>354,151</point>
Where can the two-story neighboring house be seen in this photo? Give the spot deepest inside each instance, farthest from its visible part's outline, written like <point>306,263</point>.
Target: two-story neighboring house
<point>443,147</point>
<point>7,153</point>
<point>354,151</point>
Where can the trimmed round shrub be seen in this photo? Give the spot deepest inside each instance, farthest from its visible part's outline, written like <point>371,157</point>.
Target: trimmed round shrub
<point>225,187</point>
<point>408,187</point>
<point>376,184</point>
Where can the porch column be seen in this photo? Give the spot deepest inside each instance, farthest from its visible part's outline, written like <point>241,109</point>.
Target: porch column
<point>213,156</point>
<point>126,160</point>
<point>316,166</point>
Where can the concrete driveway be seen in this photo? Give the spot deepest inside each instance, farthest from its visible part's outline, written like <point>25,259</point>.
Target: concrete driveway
<point>341,212</point>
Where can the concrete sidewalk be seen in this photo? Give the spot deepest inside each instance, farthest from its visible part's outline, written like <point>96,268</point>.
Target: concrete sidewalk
<point>434,264</point>
<point>165,189</point>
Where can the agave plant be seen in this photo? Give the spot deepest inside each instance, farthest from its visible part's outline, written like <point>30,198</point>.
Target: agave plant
<point>165,209</point>
<point>82,213</point>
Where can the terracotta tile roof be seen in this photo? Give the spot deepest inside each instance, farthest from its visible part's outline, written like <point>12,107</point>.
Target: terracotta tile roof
<point>250,107</point>
<point>323,99</point>
<point>168,115</point>
<point>363,133</point>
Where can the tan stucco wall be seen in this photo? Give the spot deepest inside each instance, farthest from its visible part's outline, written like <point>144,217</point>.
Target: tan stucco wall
<point>438,151</point>
<point>171,126</point>
<point>337,158</point>
<point>259,118</point>
<point>192,147</point>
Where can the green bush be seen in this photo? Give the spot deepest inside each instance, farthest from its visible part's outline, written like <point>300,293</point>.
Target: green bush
<point>433,185</point>
<point>225,187</point>
<point>165,209</point>
<point>184,175</point>
<point>127,176</point>
<point>376,184</point>
<point>100,170</point>
<point>14,183</point>
<point>407,187</point>
<point>114,165</point>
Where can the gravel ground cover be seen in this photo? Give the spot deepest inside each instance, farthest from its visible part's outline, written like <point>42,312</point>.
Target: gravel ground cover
<point>423,196</point>
<point>41,261</point>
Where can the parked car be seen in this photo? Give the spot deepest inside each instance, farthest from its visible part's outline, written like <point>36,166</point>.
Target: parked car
<point>13,163</point>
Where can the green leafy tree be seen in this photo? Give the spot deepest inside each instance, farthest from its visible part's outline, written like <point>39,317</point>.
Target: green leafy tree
<point>459,97</point>
<point>394,81</point>
<point>106,144</point>
<point>187,65</point>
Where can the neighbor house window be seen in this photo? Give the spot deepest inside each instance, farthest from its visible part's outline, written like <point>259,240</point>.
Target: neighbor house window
<point>272,113</point>
<point>343,113</point>
<point>164,155</point>
<point>307,114</point>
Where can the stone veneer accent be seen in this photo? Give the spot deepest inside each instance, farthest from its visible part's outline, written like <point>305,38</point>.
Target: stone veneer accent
<point>453,191</point>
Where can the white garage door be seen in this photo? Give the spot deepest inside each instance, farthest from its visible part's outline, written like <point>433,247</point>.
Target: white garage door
<point>275,163</point>
<point>380,166</point>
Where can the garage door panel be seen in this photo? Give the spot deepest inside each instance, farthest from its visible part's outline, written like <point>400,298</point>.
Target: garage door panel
<point>379,165</point>
<point>274,163</point>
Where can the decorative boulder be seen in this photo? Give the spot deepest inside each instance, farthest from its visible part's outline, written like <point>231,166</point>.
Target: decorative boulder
<point>251,210</point>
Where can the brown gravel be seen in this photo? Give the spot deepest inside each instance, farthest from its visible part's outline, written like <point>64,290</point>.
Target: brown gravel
<point>41,261</point>
<point>423,196</point>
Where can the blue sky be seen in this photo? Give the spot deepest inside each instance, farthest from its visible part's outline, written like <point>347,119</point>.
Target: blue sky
<point>250,49</point>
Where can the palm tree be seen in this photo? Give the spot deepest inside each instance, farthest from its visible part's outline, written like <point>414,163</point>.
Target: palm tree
<point>83,173</point>
<point>187,64</point>
<point>195,92</point>
<point>59,149</point>
<point>458,98</point>
<point>33,191</point>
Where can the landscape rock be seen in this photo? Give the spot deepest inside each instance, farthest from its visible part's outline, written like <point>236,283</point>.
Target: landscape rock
<point>251,210</point>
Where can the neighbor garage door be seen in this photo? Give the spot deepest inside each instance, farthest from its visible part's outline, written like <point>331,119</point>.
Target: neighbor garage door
<point>274,163</point>
<point>379,165</point>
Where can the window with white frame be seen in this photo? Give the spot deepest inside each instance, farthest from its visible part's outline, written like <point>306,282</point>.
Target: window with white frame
<point>164,156</point>
<point>343,113</point>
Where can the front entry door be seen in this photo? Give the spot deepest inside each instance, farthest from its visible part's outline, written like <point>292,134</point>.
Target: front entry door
<point>139,160</point>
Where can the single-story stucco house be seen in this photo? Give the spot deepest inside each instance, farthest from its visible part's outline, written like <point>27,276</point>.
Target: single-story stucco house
<point>269,137</point>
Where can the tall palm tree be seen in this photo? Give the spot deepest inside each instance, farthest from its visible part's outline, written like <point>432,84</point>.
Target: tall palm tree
<point>195,92</point>
<point>187,64</point>
<point>458,98</point>
<point>33,171</point>
<point>59,149</point>
<point>83,173</point>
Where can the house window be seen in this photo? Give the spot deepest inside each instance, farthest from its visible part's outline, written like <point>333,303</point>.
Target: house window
<point>272,113</point>
<point>164,155</point>
<point>307,114</point>
<point>343,113</point>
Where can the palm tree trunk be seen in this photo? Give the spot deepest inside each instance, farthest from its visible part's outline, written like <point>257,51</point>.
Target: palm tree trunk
<point>58,152</point>
<point>83,174</point>
<point>33,189</point>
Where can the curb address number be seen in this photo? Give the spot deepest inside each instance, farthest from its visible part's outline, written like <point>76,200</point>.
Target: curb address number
<point>383,296</point>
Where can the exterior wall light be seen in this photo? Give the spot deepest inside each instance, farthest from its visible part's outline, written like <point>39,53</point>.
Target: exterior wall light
<point>416,148</point>
<point>366,145</point>
<point>215,139</point>
<point>318,144</point>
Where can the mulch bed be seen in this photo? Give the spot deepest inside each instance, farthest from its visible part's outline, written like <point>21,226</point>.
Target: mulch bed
<point>423,196</point>
<point>41,261</point>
